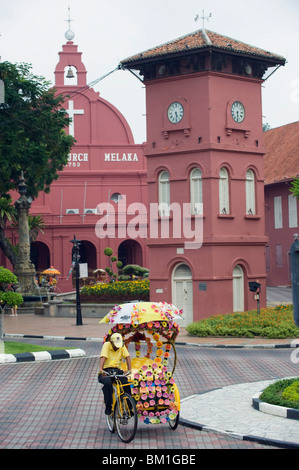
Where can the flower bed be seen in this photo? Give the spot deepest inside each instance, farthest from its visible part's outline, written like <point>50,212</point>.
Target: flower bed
<point>272,322</point>
<point>118,292</point>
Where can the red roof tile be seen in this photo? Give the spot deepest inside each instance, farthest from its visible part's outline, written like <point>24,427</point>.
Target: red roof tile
<point>203,39</point>
<point>281,160</point>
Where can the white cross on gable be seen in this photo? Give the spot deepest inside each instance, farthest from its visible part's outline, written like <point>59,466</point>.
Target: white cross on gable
<point>71,112</point>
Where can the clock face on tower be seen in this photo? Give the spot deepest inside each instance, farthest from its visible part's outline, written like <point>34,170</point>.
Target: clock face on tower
<point>175,112</point>
<point>238,111</point>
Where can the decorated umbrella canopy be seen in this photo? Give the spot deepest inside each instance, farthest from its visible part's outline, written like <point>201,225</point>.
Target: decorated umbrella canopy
<point>137,318</point>
<point>137,313</point>
<point>52,271</point>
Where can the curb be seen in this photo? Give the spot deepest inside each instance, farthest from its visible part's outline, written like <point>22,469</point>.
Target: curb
<point>275,410</point>
<point>242,437</point>
<point>69,338</point>
<point>41,356</point>
<point>239,346</point>
<point>178,343</point>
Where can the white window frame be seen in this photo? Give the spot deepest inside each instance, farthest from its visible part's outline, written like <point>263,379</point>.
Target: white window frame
<point>195,189</point>
<point>164,194</point>
<point>277,212</point>
<point>238,289</point>
<point>293,215</point>
<point>250,192</point>
<point>224,206</point>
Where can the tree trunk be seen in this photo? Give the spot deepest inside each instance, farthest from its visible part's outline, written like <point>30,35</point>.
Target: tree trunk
<point>1,325</point>
<point>7,249</point>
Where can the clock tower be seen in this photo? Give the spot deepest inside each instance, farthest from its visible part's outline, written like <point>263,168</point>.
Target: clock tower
<point>204,152</point>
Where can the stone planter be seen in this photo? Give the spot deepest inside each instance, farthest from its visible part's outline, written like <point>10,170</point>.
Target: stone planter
<point>58,308</point>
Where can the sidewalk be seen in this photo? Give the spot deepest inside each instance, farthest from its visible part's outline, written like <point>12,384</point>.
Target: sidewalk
<point>38,325</point>
<point>65,327</point>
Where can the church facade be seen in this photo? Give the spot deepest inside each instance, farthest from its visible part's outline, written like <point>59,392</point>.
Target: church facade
<point>188,204</point>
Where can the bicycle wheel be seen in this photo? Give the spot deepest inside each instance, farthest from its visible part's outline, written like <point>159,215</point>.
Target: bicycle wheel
<point>110,423</point>
<point>173,423</point>
<point>125,418</point>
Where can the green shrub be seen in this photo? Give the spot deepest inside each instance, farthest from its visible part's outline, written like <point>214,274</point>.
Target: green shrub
<point>274,322</point>
<point>292,392</point>
<point>135,270</point>
<point>273,394</point>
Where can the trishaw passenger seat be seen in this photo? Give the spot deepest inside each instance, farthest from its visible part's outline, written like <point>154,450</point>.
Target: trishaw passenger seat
<point>137,363</point>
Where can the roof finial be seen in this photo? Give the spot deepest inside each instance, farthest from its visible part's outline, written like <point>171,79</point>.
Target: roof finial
<point>203,18</point>
<point>69,35</point>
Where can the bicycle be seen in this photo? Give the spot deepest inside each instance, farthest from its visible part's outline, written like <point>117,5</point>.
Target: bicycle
<point>123,417</point>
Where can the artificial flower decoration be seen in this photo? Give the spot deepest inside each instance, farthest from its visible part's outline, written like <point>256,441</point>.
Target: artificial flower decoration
<point>153,386</point>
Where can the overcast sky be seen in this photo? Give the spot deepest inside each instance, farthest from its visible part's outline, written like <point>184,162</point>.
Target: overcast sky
<point>108,31</point>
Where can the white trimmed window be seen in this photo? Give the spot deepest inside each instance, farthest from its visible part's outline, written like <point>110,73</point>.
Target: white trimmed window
<point>195,190</point>
<point>277,212</point>
<point>293,218</point>
<point>250,192</point>
<point>223,191</point>
<point>238,289</point>
<point>164,194</point>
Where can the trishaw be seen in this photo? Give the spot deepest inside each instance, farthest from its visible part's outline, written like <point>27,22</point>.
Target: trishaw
<point>153,328</point>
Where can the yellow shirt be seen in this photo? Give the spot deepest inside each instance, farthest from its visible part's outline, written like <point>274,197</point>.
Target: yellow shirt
<point>113,358</point>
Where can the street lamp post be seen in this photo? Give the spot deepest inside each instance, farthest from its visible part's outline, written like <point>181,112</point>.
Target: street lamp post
<point>76,256</point>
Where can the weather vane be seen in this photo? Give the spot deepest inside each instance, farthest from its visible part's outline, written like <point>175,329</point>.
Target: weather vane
<point>69,34</point>
<point>203,18</point>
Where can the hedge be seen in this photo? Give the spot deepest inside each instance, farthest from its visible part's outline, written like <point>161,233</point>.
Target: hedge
<point>282,393</point>
<point>118,292</point>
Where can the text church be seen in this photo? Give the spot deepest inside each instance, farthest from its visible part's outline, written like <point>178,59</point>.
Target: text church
<point>189,203</point>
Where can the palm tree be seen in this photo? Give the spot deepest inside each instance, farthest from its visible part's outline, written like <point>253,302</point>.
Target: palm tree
<point>7,211</point>
<point>36,225</point>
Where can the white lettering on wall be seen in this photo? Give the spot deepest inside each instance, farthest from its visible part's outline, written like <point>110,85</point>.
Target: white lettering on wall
<point>75,159</point>
<point>118,157</point>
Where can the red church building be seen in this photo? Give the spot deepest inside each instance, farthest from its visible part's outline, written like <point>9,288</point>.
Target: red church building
<point>104,168</point>
<point>188,204</point>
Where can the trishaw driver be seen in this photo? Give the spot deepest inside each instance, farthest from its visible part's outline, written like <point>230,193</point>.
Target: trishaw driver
<point>112,353</point>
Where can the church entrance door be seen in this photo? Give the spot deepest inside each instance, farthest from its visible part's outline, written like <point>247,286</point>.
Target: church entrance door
<point>182,292</point>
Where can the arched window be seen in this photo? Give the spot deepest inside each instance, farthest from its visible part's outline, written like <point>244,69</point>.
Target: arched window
<point>238,289</point>
<point>164,193</point>
<point>250,192</point>
<point>224,192</point>
<point>195,190</point>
